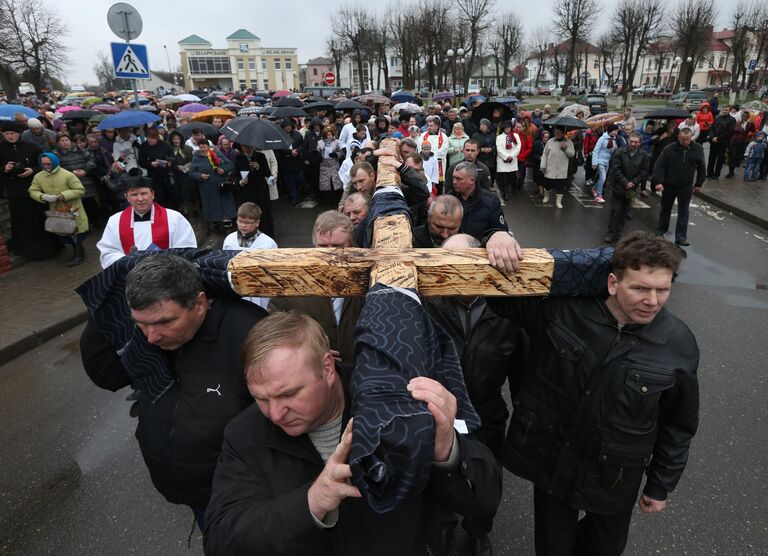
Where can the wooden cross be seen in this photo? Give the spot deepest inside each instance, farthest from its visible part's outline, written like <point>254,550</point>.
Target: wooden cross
<point>349,272</point>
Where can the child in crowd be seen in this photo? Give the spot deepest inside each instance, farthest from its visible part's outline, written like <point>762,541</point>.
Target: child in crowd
<point>430,167</point>
<point>754,155</point>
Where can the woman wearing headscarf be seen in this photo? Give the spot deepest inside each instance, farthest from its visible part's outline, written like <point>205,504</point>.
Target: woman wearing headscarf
<point>507,151</point>
<point>62,191</point>
<point>486,138</point>
<point>534,159</point>
<point>79,162</point>
<point>210,169</point>
<point>181,157</point>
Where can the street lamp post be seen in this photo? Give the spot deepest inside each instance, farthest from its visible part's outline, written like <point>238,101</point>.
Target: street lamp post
<point>675,63</point>
<point>493,77</point>
<point>454,57</point>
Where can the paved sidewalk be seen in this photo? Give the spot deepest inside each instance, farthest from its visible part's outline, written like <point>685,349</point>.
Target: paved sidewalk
<point>747,200</point>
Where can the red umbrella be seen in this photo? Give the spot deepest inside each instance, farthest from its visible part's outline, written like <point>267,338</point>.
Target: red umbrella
<point>280,94</point>
<point>106,108</point>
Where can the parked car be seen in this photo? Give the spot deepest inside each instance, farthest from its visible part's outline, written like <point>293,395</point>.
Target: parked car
<point>692,98</point>
<point>597,103</point>
<point>645,90</point>
<point>543,91</point>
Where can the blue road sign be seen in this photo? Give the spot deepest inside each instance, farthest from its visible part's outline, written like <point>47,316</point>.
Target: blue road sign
<point>752,64</point>
<point>130,60</point>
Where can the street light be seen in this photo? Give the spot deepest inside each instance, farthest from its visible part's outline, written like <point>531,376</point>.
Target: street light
<point>493,78</point>
<point>455,57</point>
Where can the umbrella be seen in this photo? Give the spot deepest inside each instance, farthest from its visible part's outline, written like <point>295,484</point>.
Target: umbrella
<point>485,110</point>
<point>406,107</point>
<point>403,96</point>
<point>573,109</point>
<point>567,122</point>
<point>348,104</point>
<point>171,99</point>
<point>142,101</point>
<point>149,108</point>
<point>289,102</point>
<point>667,114</point>
<point>232,107</point>
<point>96,119</point>
<point>289,112</point>
<point>599,120</point>
<point>186,97</point>
<point>319,105</point>
<point>194,107</point>
<point>65,109</point>
<point>376,99</point>
<point>106,108</point>
<point>92,100</point>
<point>507,100</point>
<point>7,111</point>
<point>80,114</point>
<point>198,94</point>
<point>208,130</point>
<point>445,95</point>
<point>282,93</point>
<point>755,106</point>
<point>127,118</point>
<point>214,113</point>
<point>210,100</point>
<point>257,133</point>
<point>248,110</point>
<point>471,99</point>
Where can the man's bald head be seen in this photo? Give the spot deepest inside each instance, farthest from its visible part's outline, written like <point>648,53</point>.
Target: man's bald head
<point>461,241</point>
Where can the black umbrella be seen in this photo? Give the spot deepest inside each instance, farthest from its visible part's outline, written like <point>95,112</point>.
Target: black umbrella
<point>667,114</point>
<point>79,114</point>
<point>209,100</point>
<point>566,122</point>
<point>289,101</point>
<point>208,130</point>
<point>319,105</point>
<point>289,112</point>
<point>257,133</point>
<point>485,110</point>
<point>198,93</point>
<point>347,104</point>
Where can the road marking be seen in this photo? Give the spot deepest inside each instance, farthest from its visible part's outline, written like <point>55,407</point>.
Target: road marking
<point>586,201</point>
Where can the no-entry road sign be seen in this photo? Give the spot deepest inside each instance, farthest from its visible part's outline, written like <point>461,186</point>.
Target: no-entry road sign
<point>329,77</point>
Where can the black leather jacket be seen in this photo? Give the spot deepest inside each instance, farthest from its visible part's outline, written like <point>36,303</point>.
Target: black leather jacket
<point>601,404</point>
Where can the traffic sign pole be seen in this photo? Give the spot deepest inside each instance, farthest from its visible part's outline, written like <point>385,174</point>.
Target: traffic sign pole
<point>132,25</point>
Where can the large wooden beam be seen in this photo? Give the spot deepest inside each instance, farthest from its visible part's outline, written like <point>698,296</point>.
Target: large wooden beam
<point>393,232</point>
<point>345,272</point>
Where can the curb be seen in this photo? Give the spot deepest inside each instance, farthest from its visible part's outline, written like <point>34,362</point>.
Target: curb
<point>741,213</point>
<point>38,337</point>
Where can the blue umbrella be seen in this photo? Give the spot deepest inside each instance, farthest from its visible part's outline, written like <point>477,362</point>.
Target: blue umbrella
<point>127,118</point>
<point>142,101</point>
<point>7,111</point>
<point>403,96</point>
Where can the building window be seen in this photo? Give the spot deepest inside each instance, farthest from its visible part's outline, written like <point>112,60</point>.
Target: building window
<point>314,71</point>
<point>277,64</point>
<point>252,64</point>
<point>721,62</point>
<point>242,85</point>
<point>648,65</point>
<point>263,65</point>
<point>266,84</point>
<point>288,64</point>
<point>240,64</point>
<point>596,64</point>
<point>209,64</point>
<point>666,63</point>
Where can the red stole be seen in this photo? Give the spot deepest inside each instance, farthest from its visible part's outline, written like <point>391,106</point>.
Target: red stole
<point>160,233</point>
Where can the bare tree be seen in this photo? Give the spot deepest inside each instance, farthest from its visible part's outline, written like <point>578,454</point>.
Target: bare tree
<point>691,26</point>
<point>475,19</point>
<point>403,27</point>
<point>351,26</point>
<point>105,73</point>
<point>574,20</point>
<point>334,48</point>
<point>744,21</point>
<point>506,41</point>
<point>637,25</point>
<point>436,27</point>
<point>538,45</point>
<point>609,53</point>
<point>761,36</point>
<point>31,35</point>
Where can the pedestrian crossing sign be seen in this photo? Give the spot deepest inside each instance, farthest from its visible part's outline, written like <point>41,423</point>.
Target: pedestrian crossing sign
<point>130,60</point>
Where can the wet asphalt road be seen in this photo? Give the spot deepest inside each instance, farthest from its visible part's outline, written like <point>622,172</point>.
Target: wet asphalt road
<point>73,481</point>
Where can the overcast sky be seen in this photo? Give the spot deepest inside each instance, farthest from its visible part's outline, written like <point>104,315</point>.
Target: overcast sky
<point>301,24</point>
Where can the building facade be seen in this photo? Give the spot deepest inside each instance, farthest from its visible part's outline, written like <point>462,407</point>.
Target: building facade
<point>243,64</point>
<point>315,71</point>
<point>550,67</point>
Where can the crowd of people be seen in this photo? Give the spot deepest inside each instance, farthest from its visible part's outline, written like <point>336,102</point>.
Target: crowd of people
<point>602,380</point>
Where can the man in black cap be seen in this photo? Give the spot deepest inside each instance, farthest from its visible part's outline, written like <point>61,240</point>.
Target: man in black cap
<point>144,225</point>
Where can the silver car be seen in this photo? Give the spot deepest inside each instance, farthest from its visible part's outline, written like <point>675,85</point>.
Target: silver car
<point>692,98</point>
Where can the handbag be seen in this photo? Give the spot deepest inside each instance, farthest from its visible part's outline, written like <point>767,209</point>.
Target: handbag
<point>227,186</point>
<point>61,222</point>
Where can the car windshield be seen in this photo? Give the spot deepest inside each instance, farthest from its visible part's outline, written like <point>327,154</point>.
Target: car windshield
<point>595,99</point>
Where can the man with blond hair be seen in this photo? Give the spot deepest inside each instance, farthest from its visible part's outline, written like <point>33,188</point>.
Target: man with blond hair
<point>336,315</point>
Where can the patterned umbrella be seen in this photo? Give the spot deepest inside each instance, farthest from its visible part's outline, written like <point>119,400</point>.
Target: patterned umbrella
<point>106,108</point>
<point>573,109</point>
<point>376,99</point>
<point>599,120</point>
<point>251,110</point>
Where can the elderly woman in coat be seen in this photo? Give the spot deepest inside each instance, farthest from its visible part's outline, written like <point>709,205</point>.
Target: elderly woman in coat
<point>555,162</point>
<point>508,145</point>
<point>63,191</point>
<point>81,164</point>
<point>330,153</point>
<point>210,169</point>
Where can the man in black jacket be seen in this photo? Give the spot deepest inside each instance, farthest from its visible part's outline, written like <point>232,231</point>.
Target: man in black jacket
<point>491,350</point>
<point>482,210</point>
<point>282,485</point>
<point>629,172</point>
<point>180,433</point>
<point>290,162</point>
<point>720,139</point>
<point>471,152</point>
<point>609,393</point>
<point>443,221</point>
<point>679,172</point>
